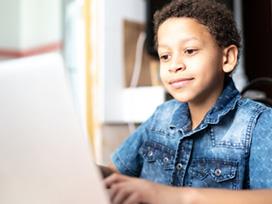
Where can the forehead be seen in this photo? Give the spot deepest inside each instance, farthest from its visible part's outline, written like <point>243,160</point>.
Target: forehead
<point>180,29</point>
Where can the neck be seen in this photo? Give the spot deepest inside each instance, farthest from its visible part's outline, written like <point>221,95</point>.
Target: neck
<point>198,112</point>
<point>199,108</point>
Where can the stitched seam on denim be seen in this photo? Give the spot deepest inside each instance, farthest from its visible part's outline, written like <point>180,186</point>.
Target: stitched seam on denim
<point>250,128</point>
<point>189,145</point>
<point>233,178</point>
<point>174,132</point>
<point>125,166</point>
<point>223,143</point>
<point>212,137</point>
<point>230,145</point>
<point>161,146</point>
<point>159,131</point>
<point>224,112</point>
<point>237,178</point>
<point>233,162</point>
<point>163,150</point>
<point>258,109</point>
<point>229,162</point>
<point>248,142</point>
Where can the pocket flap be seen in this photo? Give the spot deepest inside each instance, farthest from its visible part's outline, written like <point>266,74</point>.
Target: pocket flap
<point>223,170</point>
<point>219,170</point>
<point>153,151</point>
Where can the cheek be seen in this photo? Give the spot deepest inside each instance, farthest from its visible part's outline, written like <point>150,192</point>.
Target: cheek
<point>206,68</point>
<point>164,77</point>
<point>163,73</point>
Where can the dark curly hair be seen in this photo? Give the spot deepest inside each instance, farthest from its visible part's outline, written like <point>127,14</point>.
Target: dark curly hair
<point>217,18</point>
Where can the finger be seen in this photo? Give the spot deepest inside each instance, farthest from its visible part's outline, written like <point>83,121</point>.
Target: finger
<point>132,199</point>
<point>113,191</point>
<point>114,178</point>
<point>121,194</point>
<point>116,189</point>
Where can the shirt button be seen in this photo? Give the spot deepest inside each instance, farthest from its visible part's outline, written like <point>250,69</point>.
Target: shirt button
<point>179,166</point>
<point>150,153</point>
<point>165,159</point>
<point>217,172</point>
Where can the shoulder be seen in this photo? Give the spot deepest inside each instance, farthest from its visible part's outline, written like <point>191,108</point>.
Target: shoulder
<point>168,108</point>
<point>263,126</point>
<point>260,164</point>
<point>252,107</point>
<point>164,113</point>
<point>254,116</point>
<point>249,103</point>
<point>170,105</point>
<point>265,118</point>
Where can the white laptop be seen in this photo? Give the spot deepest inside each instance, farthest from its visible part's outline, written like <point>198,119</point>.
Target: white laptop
<point>44,158</point>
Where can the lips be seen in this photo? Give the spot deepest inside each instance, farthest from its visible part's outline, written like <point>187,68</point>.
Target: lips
<point>179,83</point>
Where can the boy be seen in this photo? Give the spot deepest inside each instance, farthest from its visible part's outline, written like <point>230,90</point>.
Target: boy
<point>208,136</point>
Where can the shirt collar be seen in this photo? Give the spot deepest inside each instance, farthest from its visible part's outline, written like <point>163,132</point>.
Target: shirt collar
<point>225,103</point>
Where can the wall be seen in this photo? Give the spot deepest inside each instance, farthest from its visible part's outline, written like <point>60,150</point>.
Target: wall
<point>110,52</point>
<point>30,26</point>
<point>10,24</point>
<point>40,22</point>
<point>115,13</point>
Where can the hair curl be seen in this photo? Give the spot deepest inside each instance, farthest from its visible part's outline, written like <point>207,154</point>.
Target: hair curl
<point>217,18</point>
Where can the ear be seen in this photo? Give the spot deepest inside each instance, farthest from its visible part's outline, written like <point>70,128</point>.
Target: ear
<point>230,57</point>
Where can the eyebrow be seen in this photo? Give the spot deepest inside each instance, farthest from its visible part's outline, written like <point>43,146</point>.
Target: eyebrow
<point>185,40</point>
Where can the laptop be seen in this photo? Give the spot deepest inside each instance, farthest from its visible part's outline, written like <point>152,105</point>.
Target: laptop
<point>44,157</point>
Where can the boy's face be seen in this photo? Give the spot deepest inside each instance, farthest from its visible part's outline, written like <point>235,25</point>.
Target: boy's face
<point>190,61</point>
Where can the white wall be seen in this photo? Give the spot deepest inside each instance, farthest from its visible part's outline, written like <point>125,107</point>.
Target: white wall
<point>27,24</point>
<point>41,22</point>
<point>112,52</point>
<point>9,23</point>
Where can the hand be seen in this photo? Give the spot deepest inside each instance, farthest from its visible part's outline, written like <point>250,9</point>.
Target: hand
<point>106,171</point>
<point>130,190</point>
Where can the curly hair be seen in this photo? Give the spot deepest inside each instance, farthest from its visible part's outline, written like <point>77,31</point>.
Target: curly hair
<point>217,18</point>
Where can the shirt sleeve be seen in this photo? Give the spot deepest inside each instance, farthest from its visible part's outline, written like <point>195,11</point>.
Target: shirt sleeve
<point>260,161</point>
<point>126,158</point>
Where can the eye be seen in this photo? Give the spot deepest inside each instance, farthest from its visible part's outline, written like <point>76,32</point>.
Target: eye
<point>164,57</point>
<point>190,51</point>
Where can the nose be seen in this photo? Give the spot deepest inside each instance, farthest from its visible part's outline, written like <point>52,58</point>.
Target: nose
<point>177,64</point>
<point>176,68</point>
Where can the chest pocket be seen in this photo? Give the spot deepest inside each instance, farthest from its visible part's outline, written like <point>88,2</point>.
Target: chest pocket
<point>158,162</point>
<point>213,174</point>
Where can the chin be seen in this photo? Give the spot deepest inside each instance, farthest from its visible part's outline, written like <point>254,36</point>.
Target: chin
<point>182,99</point>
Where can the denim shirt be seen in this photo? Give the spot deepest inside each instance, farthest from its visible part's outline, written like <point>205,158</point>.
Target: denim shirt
<point>229,149</point>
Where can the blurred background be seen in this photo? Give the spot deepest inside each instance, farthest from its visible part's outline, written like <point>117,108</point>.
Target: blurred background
<point>107,48</point>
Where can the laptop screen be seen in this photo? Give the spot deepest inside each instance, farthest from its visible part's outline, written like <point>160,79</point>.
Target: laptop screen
<point>43,154</point>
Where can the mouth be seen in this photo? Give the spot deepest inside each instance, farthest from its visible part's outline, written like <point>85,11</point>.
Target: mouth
<point>180,83</point>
